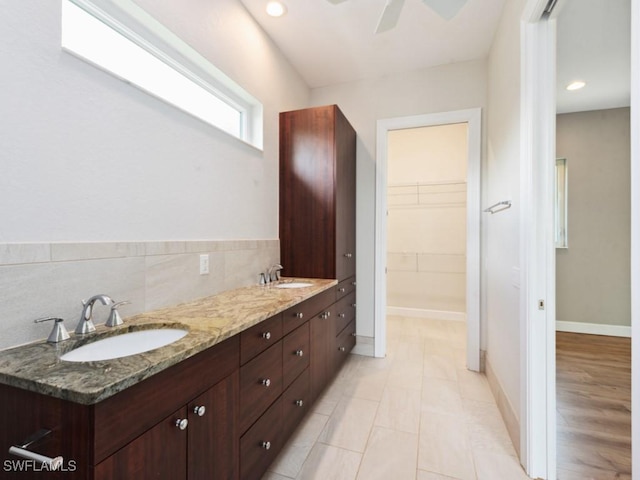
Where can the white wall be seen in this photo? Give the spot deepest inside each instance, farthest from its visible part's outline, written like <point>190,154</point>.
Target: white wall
<point>426,222</point>
<point>440,89</point>
<point>501,230</point>
<point>87,157</point>
<point>105,189</point>
<point>593,275</point>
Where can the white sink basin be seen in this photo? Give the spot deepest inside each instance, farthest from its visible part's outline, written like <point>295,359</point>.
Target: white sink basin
<point>294,285</point>
<point>124,345</point>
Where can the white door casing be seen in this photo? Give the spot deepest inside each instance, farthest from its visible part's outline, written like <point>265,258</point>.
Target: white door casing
<point>473,117</point>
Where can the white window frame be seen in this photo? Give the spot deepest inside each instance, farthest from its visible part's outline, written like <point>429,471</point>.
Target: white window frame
<point>144,32</point>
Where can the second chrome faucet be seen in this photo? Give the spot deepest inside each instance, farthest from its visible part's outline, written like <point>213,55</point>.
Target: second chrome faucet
<point>85,325</point>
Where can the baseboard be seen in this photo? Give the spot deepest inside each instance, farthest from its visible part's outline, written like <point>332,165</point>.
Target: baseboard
<point>424,313</point>
<point>593,328</point>
<point>364,346</point>
<point>504,405</point>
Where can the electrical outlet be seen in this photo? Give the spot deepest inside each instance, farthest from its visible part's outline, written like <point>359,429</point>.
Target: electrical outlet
<point>204,264</point>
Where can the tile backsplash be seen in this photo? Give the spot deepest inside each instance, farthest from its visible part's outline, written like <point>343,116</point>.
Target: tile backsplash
<point>51,279</point>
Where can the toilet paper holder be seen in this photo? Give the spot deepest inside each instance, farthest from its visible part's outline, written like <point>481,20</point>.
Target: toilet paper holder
<point>21,450</point>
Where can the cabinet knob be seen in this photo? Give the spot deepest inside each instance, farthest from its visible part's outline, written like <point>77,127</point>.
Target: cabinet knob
<point>266,382</point>
<point>266,445</point>
<point>342,290</point>
<point>182,423</point>
<point>341,315</point>
<point>354,334</point>
<point>199,410</point>
<point>325,315</point>
<point>353,283</point>
<point>266,335</point>
<point>299,353</point>
<point>353,305</point>
<point>342,349</point>
<point>348,255</point>
<point>299,403</point>
<point>299,315</point>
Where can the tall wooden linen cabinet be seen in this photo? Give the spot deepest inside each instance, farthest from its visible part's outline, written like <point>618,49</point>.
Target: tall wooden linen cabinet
<point>317,194</point>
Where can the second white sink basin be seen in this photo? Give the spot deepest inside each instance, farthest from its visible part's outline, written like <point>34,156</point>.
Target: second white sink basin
<point>124,345</point>
<point>294,285</point>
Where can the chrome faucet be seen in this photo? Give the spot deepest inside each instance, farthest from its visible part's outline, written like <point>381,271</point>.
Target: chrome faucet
<point>273,274</point>
<point>85,325</point>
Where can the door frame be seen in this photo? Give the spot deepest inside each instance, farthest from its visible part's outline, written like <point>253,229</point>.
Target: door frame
<point>473,118</point>
<point>537,245</point>
<point>538,369</point>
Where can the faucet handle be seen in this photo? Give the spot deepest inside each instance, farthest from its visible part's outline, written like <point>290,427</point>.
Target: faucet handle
<point>114,317</point>
<point>59,332</point>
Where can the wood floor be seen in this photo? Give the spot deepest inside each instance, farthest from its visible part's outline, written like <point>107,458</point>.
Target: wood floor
<point>593,406</point>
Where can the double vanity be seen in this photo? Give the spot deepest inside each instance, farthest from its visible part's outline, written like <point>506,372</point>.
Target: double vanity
<point>217,403</point>
<point>220,401</point>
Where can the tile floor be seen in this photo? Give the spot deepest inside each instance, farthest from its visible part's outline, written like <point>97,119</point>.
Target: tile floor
<point>417,414</point>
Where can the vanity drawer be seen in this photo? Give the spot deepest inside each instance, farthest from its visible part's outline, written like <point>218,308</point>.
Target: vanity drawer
<point>260,337</point>
<point>296,401</point>
<point>345,287</point>
<point>298,314</point>
<point>345,342</point>
<point>261,444</point>
<point>295,351</point>
<point>345,311</point>
<point>260,384</point>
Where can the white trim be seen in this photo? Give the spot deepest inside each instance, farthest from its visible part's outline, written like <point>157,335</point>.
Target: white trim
<point>364,346</point>
<point>473,117</point>
<point>424,313</point>
<point>635,236</point>
<point>137,26</point>
<point>593,328</point>
<point>537,246</point>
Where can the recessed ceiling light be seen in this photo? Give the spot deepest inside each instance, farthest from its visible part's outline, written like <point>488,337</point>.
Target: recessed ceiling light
<point>577,85</point>
<point>276,9</point>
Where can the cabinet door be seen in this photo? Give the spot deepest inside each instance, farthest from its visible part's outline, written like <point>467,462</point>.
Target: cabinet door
<point>322,351</point>
<point>159,453</point>
<point>307,192</point>
<point>345,138</point>
<point>213,451</point>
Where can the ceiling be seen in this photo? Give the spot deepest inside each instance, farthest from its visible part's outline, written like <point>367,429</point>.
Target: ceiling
<point>330,44</point>
<point>594,45</point>
<point>335,43</point>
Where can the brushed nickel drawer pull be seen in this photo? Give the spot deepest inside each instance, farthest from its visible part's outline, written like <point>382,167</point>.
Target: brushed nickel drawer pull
<point>342,349</point>
<point>299,353</point>
<point>199,410</point>
<point>266,445</point>
<point>266,382</point>
<point>342,289</point>
<point>341,315</point>
<point>299,403</point>
<point>266,335</point>
<point>299,315</point>
<point>182,423</point>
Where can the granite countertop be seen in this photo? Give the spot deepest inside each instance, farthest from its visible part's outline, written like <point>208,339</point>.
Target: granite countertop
<point>210,320</point>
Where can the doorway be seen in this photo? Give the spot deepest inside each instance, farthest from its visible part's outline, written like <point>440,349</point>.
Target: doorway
<point>472,119</point>
<point>538,365</point>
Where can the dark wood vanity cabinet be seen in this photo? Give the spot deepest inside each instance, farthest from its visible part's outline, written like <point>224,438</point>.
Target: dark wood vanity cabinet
<point>238,401</point>
<point>317,193</point>
<point>201,450</point>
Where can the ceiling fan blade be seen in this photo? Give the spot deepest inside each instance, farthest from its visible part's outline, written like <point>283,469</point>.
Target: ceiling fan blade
<point>447,9</point>
<point>390,15</point>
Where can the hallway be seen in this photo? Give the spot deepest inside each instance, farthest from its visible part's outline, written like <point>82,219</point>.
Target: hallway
<point>417,415</point>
